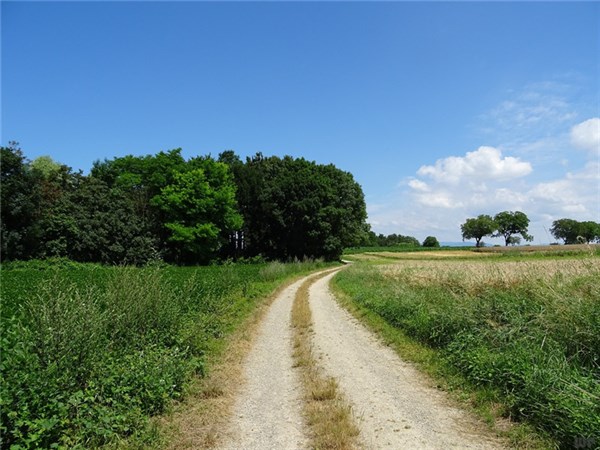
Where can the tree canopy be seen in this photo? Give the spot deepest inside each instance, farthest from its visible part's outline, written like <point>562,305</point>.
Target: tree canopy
<point>573,232</point>
<point>509,223</point>
<point>294,208</point>
<point>477,228</point>
<point>133,209</point>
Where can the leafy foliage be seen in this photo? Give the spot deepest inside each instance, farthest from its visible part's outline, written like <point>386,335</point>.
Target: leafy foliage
<point>293,208</point>
<point>89,352</point>
<point>136,209</point>
<point>477,228</point>
<point>571,231</point>
<point>200,210</point>
<point>509,223</point>
<point>431,241</point>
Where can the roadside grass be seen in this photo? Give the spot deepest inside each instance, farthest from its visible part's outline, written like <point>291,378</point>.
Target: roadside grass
<point>89,353</point>
<point>518,340</point>
<point>328,415</point>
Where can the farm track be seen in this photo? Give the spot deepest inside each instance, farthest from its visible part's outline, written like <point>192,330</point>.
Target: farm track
<point>393,405</point>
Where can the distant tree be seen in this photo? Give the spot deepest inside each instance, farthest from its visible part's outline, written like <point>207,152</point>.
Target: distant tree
<point>590,231</point>
<point>431,241</point>
<point>565,229</point>
<point>477,228</point>
<point>514,240</point>
<point>509,223</point>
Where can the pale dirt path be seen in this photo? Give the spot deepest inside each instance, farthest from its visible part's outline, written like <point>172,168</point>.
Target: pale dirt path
<point>394,407</point>
<point>267,413</point>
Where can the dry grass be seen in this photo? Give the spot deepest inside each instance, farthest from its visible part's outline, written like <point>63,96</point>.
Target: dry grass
<point>328,415</point>
<point>437,254</point>
<point>474,275</point>
<point>540,248</point>
<point>197,423</point>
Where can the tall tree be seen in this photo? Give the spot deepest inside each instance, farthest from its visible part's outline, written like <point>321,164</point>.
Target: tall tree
<point>590,231</point>
<point>20,199</point>
<point>200,210</point>
<point>510,223</point>
<point>477,228</point>
<point>294,208</point>
<point>565,229</point>
<point>95,223</point>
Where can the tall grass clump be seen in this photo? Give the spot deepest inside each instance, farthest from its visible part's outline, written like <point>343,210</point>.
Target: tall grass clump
<point>88,354</point>
<point>530,330</point>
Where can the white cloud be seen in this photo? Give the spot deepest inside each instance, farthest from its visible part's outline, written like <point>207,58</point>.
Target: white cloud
<point>586,135</point>
<point>485,163</point>
<point>418,185</point>
<point>539,126</point>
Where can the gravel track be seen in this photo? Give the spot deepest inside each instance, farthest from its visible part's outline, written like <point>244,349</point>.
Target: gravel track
<point>393,406</point>
<point>268,412</point>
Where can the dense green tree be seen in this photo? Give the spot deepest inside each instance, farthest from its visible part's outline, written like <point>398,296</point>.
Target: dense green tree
<point>95,223</point>
<point>20,200</point>
<point>294,208</point>
<point>431,241</point>
<point>572,232</point>
<point>200,210</point>
<point>565,229</point>
<point>477,228</point>
<point>509,223</point>
<point>590,231</point>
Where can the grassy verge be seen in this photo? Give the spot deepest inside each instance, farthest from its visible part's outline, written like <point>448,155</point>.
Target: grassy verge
<point>328,416</point>
<point>89,353</point>
<point>519,341</point>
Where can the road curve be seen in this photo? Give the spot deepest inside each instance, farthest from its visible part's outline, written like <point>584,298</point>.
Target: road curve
<point>395,408</point>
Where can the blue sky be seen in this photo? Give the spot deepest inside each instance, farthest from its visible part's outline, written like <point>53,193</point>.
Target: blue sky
<point>442,111</point>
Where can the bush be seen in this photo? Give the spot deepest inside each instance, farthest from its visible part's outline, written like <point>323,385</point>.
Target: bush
<point>90,352</point>
<point>431,241</point>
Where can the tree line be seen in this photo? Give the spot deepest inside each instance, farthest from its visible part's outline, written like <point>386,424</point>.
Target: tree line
<point>134,209</point>
<point>513,225</point>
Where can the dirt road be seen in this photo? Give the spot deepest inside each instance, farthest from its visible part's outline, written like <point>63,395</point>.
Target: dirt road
<point>394,407</point>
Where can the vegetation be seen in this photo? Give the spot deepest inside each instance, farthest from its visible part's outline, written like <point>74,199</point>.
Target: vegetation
<point>527,330</point>
<point>431,242</point>
<point>506,224</point>
<point>477,228</point>
<point>509,224</point>
<point>391,240</point>
<point>136,209</point>
<point>574,232</point>
<point>89,352</point>
<point>294,208</point>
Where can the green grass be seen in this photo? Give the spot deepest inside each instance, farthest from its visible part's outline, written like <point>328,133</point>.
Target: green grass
<point>526,332</point>
<point>89,353</point>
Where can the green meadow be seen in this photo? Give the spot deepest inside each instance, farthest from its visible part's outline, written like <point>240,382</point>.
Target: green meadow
<point>90,353</point>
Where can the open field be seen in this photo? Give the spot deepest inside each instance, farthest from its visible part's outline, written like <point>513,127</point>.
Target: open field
<point>89,353</point>
<point>407,252</point>
<point>525,329</point>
